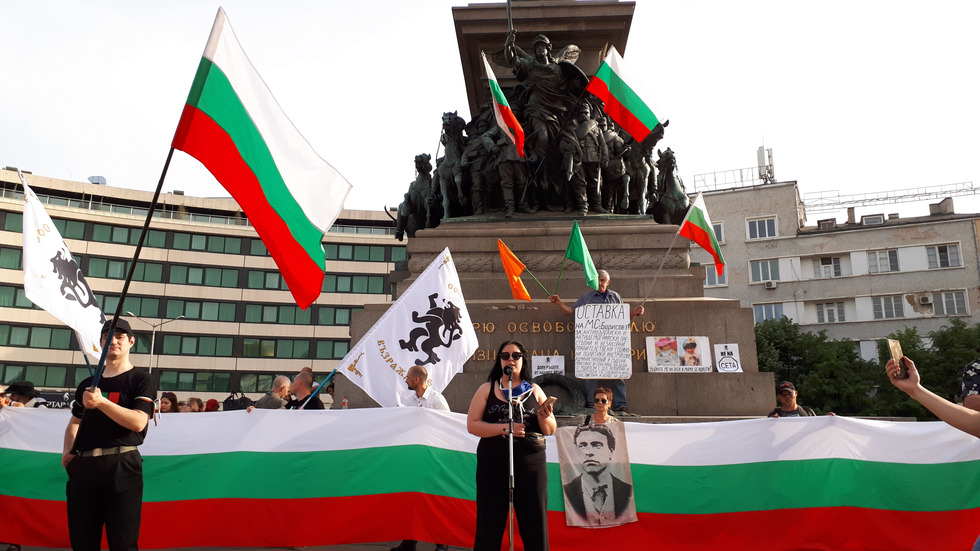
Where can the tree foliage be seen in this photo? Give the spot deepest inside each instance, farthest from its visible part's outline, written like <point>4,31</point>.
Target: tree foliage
<point>831,376</point>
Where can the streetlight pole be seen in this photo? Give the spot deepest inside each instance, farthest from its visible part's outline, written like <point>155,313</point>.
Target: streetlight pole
<point>153,332</point>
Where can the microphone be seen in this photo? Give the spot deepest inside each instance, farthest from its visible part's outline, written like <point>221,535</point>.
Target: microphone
<point>508,370</point>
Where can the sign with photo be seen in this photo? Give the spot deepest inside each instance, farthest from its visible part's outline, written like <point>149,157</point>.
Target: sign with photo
<point>602,341</point>
<point>547,365</point>
<point>727,358</point>
<point>673,354</point>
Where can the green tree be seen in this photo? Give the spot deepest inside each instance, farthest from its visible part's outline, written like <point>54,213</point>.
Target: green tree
<point>954,346</point>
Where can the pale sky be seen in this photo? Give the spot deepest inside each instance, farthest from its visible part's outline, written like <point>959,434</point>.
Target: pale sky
<point>854,96</point>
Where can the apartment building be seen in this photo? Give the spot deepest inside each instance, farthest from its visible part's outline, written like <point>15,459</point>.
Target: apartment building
<point>861,279</point>
<point>205,291</point>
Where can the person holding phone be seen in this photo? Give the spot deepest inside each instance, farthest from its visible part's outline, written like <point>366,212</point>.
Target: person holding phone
<point>488,418</point>
<point>957,416</point>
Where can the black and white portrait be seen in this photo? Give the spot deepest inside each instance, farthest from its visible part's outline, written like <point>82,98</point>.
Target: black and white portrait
<point>595,475</point>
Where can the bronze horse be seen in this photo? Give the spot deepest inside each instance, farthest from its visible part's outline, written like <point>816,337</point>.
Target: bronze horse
<point>672,200</point>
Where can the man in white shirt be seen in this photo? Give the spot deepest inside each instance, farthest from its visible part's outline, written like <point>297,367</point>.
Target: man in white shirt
<point>417,380</point>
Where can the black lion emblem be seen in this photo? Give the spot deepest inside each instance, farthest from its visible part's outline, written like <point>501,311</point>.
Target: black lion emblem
<point>73,284</point>
<point>440,328</point>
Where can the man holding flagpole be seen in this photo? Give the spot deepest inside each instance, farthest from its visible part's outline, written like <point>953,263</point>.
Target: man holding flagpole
<point>105,469</point>
<point>602,295</point>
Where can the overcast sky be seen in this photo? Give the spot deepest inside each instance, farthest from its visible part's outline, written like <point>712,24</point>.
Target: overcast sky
<point>857,97</point>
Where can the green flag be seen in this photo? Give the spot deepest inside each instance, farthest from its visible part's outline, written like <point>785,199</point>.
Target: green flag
<point>579,252</point>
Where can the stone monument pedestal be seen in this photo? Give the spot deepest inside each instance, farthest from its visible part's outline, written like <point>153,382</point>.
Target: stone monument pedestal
<point>632,249</point>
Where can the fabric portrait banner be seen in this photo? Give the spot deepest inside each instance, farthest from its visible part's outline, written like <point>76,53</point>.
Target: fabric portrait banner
<point>428,326</point>
<point>596,480</point>
<point>53,280</point>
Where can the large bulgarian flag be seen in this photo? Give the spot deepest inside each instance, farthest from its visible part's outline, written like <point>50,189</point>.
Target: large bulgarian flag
<point>624,99</point>
<point>233,125</point>
<point>697,227</point>
<point>501,110</point>
<point>817,483</point>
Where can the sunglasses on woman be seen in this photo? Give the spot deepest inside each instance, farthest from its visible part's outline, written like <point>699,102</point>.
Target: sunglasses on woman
<point>601,401</point>
<point>508,355</point>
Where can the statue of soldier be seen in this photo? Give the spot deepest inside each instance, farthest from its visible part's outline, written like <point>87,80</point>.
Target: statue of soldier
<point>512,171</point>
<point>615,180</point>
<point>418,210</point>
<point>572,155</point>
<point>595,155</point>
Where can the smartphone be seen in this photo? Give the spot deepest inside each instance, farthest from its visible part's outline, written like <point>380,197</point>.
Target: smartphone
<point>895,348</point>
<point>550,401</point>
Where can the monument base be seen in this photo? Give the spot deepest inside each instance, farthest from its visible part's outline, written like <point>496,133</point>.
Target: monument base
<point>643,258</point>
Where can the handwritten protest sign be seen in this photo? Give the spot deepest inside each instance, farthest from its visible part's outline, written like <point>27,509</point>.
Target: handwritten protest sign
<point>602,341</point>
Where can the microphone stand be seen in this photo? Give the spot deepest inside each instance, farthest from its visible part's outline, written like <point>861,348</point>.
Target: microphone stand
<point>509,371</point>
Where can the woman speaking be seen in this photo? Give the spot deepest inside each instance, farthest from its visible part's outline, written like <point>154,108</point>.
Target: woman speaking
<point>533,419</point>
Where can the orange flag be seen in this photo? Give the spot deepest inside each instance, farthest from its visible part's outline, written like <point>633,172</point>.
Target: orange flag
<point>514,269</point>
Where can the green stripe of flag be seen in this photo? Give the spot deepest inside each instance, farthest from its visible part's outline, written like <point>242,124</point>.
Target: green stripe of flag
<point>658,489</point>
<point>214,95</point>
<point>627,96</point>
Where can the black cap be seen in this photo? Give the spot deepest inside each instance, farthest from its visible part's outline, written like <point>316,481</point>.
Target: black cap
<point>22,387</point>
<point>785,385</point>
<point>121,325</point>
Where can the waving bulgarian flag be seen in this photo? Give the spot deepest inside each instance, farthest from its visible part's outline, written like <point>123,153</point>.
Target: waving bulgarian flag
<point>233,125</point>
<point>624,99</point>
<point>697,227</point>
<point>501,110</point>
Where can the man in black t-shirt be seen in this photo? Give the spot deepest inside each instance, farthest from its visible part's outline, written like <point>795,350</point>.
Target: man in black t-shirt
<point>105,470</point>
<point>301,388</point>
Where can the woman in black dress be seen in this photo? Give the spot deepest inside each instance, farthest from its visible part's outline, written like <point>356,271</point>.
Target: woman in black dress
<point>533,419</point>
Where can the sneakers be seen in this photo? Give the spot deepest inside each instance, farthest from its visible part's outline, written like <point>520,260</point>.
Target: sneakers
<point>623,409</point>
<point>406,545</point>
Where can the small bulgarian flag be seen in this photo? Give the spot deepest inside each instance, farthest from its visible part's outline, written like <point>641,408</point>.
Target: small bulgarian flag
<point>697,227</point>
<point>624,99</point>
<point>233,125</point>
<point>514,269</point>
<point>501,110</point>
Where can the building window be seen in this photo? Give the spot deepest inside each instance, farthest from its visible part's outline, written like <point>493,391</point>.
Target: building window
<point>826,267</point>
<point>764,270</point>
<point>332,350</point>
<point>950,304</point>
<point>762,228</point>
<point>882,261</point>
<point>201,346</point>
<point>10,258</point>
<point>191,381</point>
<point>830,312</point>
<point>209,243</point>
<point>888,307</point>
<point>147,307</point>
<point>285,315</point>
<point>14,297</point>
<point>943,256</point>
<point>765,312</point>
<point>35,337</point>
<point>70,229</point>
<point>256,382</point>
<point>712,279</point>
<point>276,348</point>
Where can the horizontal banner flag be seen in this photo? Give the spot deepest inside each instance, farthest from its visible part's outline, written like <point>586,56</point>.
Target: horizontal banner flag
<point>818,483</point>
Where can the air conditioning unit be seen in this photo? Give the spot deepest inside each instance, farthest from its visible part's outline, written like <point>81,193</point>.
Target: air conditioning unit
<point>925,300</point>
<point>770,285</point>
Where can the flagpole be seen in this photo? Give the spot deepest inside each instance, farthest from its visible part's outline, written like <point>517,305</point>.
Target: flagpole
<point>664,259</point>
<point>560,270</point>
<point>536,281</point>
<point>510,19</point>
<point>132,270</point>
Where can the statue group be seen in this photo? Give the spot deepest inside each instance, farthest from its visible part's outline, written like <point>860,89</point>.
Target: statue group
<point>576,160</point>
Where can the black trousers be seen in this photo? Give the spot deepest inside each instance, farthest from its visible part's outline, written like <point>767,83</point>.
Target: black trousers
<point>530,495</point>
<point>105,491</point>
